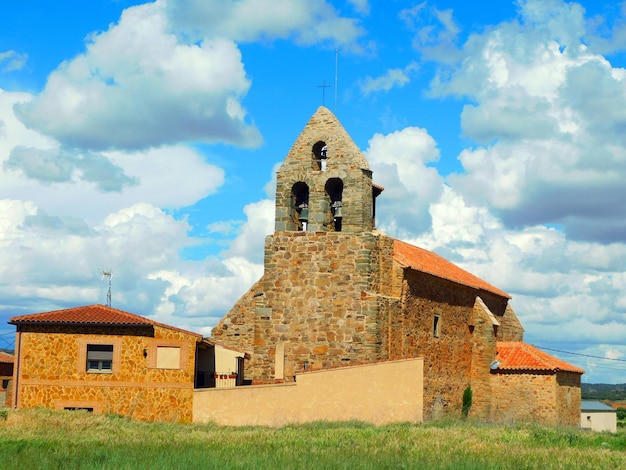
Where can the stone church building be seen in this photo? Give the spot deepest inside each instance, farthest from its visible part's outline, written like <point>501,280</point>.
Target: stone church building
<point>335,292</point>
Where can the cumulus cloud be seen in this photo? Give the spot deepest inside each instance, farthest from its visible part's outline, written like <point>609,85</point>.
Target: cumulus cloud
<point>54,261</point>
<point>250,242</point>
<point>548,116</point>
<point>55,165</point>
<point>306,22</point>
<point>360,6</point>
<point>400,162</point>
<point>90,185</point>
<point>392,78</point>
<point>435,31</point>
<point>11,61</point>
<point>138,86</point>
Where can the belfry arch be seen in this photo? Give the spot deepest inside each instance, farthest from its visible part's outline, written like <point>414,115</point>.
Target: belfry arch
<point>320,155</point>
<point>334,191</point>
<point>300,205</point>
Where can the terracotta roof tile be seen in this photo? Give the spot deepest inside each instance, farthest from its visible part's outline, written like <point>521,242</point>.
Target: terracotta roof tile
<point>517,355</point>
<point>89,315</point>
<point>6,357</point>
<point>428,262</point>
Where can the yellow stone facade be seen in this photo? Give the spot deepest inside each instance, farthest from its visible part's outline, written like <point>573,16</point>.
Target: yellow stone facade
<point>51,371</point>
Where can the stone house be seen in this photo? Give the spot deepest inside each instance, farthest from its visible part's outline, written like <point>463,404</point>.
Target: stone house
<point>335,291</point>
<point>109,361</point>
<point>531,385</point>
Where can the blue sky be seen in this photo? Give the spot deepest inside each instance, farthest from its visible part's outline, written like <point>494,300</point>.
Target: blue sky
<point>144,137</point>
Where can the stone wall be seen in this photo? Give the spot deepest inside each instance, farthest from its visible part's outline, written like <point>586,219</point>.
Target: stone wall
<point>483,344</point>
<point>568,395</point>
<point>315,299</point>
<point>524,397</point>
<point>447,357</point>
<point>52,372</point>
<point>511,328</point>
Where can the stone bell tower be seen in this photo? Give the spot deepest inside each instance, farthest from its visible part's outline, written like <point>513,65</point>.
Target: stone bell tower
<point>323,298</point>
<point>325,183</point>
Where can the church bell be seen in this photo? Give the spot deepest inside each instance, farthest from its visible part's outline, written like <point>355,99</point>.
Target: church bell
<point>336,209</point>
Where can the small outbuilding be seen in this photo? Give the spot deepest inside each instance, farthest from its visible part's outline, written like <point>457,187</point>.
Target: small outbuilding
<point>597,416</point>
<point>6,376</point>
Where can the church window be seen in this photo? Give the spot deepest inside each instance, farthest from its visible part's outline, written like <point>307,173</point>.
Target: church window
<point>300,201</point>
<point>436,326</point>
<point>334,190</point>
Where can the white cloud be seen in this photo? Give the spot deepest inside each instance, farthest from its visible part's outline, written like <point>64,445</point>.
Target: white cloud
<point>392,78</point>
<point>11,61</point>
<point>548,114</point>
<point>360,6</point>
<point>307,22</point>
<point>90,185</point>
<point>137,86</point>
<point>400,162</point>
<point>436,32</point>
<point>250,242</point>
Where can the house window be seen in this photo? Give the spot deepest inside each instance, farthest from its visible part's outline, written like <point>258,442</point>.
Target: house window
<point>168,357</point>
<point>436,326</point>
<point>100,358</point>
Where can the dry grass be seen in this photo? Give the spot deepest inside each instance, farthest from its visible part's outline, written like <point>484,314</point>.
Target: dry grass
<point>57,439</point>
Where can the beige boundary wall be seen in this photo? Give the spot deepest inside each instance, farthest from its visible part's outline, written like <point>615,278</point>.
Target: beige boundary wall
<point>379,393</point>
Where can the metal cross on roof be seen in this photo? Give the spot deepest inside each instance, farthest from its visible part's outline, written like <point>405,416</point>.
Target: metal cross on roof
<point>323,86</point>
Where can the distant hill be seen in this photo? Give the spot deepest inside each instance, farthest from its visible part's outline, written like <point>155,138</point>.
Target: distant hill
<point>604,391</point>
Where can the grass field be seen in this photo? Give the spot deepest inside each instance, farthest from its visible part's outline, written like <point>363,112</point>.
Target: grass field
<point>45,439</point>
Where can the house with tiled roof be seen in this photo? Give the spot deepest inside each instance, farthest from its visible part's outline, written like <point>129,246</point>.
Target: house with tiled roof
<point>106,360</point>
<point>528,384</point>
<point>336,292</point>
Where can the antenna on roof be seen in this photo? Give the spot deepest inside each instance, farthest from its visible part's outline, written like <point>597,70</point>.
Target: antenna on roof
<point>336,77</point>
<point>107,273</point>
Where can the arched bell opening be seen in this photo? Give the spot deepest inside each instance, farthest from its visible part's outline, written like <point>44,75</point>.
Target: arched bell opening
<point>334,190</point>
<point>300,204</point>
<point>319,155</point>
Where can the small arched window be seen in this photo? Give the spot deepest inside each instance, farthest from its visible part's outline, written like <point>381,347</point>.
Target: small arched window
<point>300,202</point>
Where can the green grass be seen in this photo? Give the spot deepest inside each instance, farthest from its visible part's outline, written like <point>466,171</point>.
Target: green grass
<point>48,439</point>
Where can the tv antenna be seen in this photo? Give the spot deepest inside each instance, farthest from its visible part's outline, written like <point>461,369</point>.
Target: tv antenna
<point>336,77</point>
<point>107,273</point>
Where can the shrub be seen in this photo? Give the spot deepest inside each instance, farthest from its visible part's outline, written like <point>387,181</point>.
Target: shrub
<point>467,401</point>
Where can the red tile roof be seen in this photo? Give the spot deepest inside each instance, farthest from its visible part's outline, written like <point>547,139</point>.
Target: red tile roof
<point>6,357</point>
<point>517,355</point>
<point>92,315</point>
<point>428,262</point>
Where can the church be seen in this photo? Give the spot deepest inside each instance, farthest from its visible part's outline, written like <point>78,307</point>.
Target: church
<point>337,292</point>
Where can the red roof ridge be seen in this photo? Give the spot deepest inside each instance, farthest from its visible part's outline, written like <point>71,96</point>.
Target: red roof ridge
<point>91,315</point>
<point>431,263</point>
<point>518,355</point>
